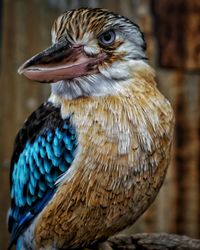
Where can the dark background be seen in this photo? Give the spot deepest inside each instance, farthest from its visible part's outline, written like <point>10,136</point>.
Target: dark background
<point>172,32</point>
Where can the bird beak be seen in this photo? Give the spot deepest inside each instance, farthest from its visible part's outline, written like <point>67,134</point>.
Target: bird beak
<point>61,61</point>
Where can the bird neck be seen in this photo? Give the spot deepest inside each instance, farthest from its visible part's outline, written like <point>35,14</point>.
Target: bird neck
<point>108,82</point>
<point>96,87</point>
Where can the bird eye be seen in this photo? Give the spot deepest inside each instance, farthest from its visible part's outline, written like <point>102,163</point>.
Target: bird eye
<point>107,38</point>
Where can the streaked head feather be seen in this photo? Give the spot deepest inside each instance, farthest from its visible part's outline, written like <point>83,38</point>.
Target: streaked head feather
<point>83,27</point>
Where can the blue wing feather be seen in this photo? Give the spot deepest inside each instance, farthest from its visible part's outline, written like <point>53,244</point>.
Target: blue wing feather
<point>44,149</point>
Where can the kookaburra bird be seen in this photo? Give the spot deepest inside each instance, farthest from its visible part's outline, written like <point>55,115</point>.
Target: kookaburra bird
<point>89,161</point>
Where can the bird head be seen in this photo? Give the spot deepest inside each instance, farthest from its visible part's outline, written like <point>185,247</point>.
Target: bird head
<point>93,53</point>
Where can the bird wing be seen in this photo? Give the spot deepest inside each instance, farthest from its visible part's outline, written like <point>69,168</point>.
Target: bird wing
<point>44,149</point>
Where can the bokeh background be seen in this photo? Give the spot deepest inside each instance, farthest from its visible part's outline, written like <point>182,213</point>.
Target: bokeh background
<point>172,32</point>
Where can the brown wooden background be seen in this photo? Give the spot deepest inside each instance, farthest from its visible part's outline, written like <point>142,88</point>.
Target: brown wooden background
<point>172,31</point>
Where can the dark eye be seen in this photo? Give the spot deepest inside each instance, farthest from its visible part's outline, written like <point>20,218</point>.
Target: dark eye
<point>107,38</point>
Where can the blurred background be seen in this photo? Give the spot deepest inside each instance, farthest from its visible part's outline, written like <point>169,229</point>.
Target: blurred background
<point>172,32</point>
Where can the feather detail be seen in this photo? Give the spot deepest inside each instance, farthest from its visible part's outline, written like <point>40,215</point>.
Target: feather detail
<point>35,165</point>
